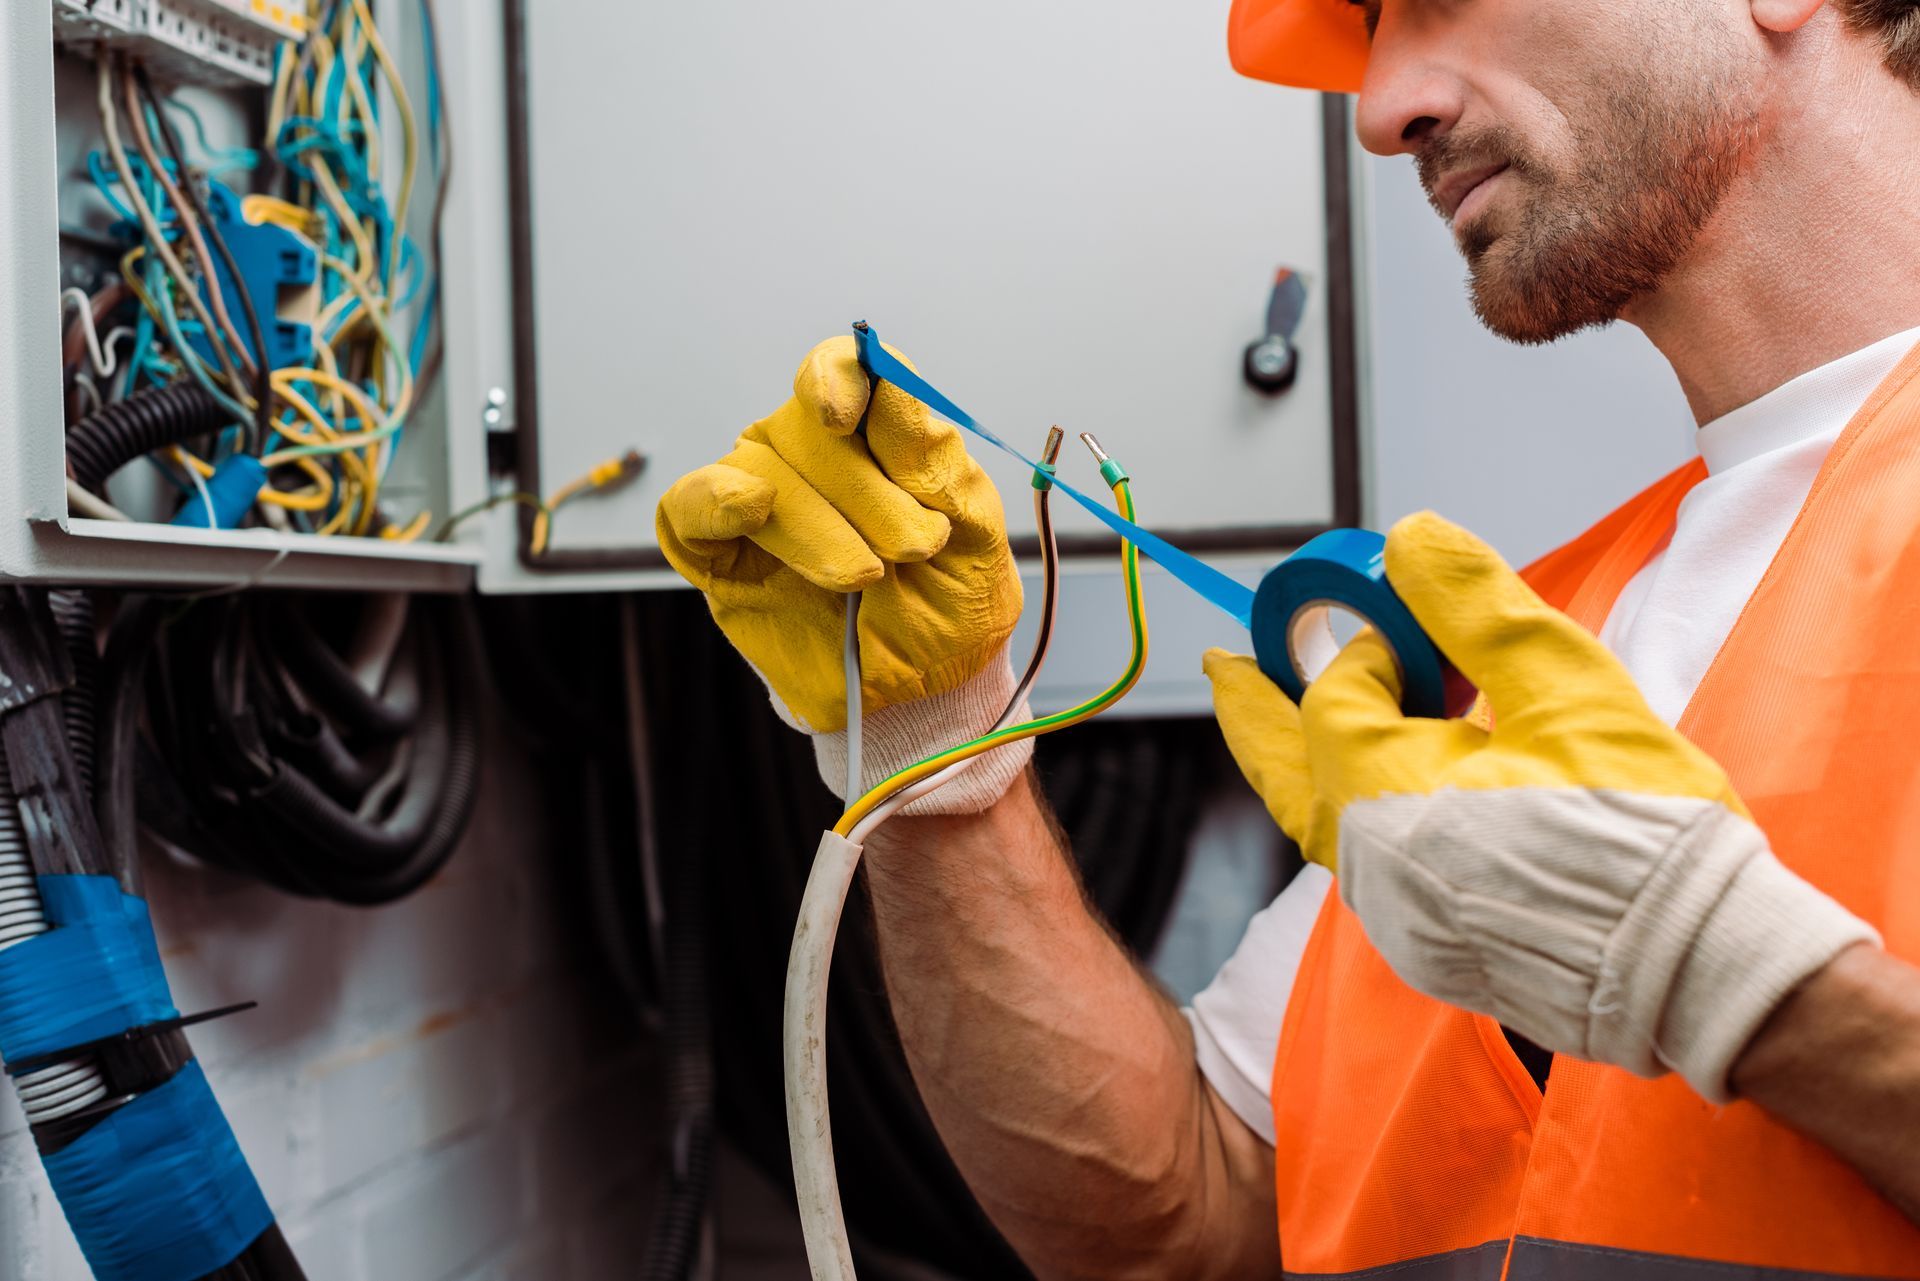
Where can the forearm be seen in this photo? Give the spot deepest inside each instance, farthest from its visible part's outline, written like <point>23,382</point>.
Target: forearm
<point>1840,1062</point>
<point>1061,1080</point>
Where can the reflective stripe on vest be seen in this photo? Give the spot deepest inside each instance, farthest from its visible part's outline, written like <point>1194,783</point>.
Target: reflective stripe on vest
<point>1481,1263</point>
<point>1409,1134</point>
<point>1535,1260</point>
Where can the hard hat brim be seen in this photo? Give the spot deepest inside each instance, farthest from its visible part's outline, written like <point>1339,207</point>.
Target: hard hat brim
<point>1308,44</point>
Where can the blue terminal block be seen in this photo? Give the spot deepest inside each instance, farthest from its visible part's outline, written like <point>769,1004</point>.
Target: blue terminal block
<point>235,483</point>
<point>276,266</point>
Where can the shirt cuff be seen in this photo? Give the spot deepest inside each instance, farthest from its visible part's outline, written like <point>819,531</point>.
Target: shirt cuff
<point>895,737</point>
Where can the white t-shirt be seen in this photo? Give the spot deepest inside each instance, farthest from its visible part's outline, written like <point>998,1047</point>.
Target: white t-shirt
<point>1670,621</point>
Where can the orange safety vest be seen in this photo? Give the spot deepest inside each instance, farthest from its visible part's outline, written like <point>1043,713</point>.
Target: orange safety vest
<point>1414,1145</point>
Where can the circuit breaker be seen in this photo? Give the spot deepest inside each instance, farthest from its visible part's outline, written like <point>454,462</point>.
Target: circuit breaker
<point>220,42</point>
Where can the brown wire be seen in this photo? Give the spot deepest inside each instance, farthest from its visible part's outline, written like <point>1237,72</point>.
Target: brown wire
<point>216,296</point>
<point>262,374</point>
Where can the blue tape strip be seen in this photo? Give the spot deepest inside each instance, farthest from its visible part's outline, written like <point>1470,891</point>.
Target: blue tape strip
<point>1235,599</point>
<point>1345,567</point>
<point>159,1189</point>
<point>94,976</point>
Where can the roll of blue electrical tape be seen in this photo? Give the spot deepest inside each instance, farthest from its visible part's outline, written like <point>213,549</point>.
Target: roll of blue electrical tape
<point>1293,636</point>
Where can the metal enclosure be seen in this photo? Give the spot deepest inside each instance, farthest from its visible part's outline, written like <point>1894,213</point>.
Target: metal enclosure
<point>42,146</point>
<point>1067,213</point>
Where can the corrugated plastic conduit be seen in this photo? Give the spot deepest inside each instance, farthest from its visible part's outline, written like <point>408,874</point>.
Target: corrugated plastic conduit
<point>64,1088</point>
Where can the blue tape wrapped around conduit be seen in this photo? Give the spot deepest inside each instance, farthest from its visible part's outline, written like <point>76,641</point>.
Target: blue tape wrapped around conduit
<point>95,975</point>
<point>158,1189</point>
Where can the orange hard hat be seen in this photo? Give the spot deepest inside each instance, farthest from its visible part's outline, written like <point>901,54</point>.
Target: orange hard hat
<point>1309,44</point>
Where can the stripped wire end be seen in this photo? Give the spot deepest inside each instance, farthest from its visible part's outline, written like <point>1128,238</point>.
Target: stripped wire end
<point>1050,454</point>
<point>1110,470</point>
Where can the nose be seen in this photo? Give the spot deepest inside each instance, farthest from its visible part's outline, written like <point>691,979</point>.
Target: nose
<point>1409,97</point>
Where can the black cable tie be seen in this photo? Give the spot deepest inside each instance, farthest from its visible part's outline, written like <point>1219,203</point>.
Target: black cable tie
<point>132,1036</point>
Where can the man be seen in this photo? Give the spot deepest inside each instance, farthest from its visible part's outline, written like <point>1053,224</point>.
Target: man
<point>1703,926</point>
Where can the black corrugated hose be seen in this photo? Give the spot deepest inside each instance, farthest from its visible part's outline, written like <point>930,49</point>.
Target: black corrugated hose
<point>69,620</point>
<point>104,442</point>
<point>273,760</point>
<point>73,615</point>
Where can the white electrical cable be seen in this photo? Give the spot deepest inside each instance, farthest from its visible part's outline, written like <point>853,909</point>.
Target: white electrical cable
<point>89,393</point>
<point>850,664</point>
<point>803,1038</point>
<point>803,1033</point>
<point>82,503</point>
<point>77,299</point>
<point>64,1088</point>
<point>803,1042</point>
<point>206,496</point>
<point>114,336</point>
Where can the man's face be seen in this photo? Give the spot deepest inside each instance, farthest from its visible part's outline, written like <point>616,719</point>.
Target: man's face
<point>1578,149</point>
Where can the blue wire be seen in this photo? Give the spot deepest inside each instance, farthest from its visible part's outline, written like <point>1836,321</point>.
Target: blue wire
<point>430,41</point>
<point>156,286</point>
<point>142,345</point>
<point>336,84</point>
<point>227,158</point>
<point>108,181</point>
<point>109,184</point>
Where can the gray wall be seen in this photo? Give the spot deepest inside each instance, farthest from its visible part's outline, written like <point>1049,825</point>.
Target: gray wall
<point>436,1090</point>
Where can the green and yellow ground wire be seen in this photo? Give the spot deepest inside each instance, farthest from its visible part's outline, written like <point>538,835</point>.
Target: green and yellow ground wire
<point>857,812</point>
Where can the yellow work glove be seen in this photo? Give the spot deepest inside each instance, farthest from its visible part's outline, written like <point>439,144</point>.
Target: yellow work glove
<point>805,510</point>
<point>1579,871</point>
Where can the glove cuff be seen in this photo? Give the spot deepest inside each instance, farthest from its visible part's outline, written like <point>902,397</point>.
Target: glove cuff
<point>894,737</point>
<point>1768,932</point>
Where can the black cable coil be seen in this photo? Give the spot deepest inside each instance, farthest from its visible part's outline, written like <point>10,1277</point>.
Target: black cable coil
<point>102,443</point>
<point>274,759</point>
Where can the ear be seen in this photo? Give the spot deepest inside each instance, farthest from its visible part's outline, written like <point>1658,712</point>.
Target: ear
<point>1783,16</point>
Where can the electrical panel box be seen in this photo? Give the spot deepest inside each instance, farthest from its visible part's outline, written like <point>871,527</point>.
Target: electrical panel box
<point>1073,214</point>
<point>1068,213</point>
<point>106,107</point>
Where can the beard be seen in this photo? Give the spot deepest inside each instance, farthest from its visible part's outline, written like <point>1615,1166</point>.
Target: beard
<point>1569,251</point>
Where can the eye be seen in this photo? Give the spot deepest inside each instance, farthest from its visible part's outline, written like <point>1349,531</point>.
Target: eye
<point>1372,9</point>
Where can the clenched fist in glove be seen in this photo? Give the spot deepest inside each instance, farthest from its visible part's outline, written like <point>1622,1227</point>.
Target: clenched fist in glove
<point>806,509</point>
<point>1579,871</point>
